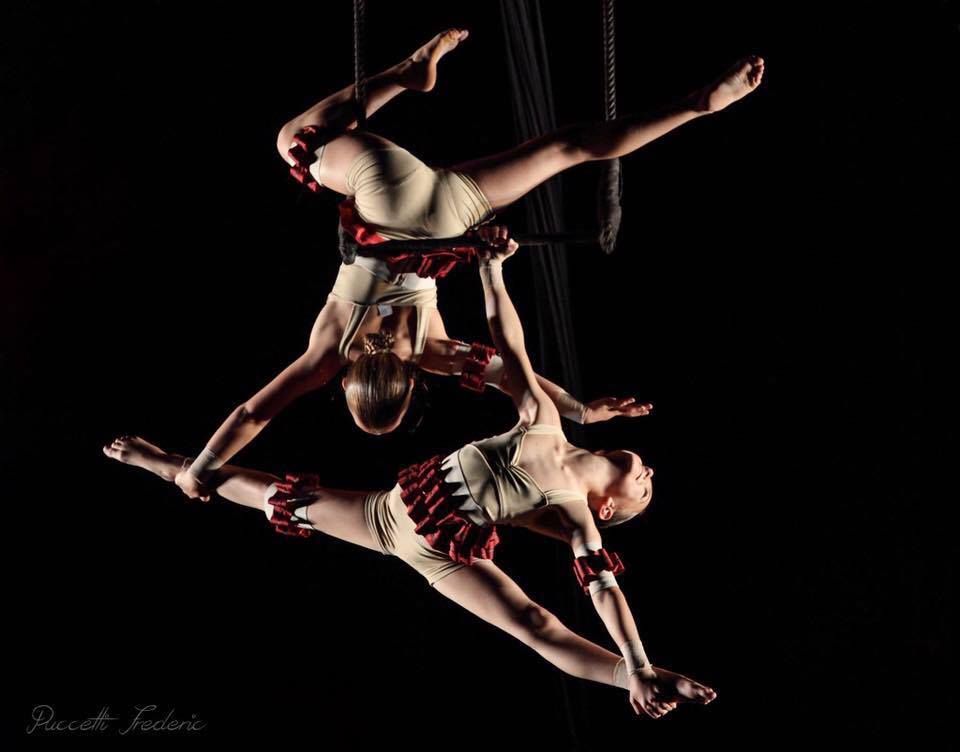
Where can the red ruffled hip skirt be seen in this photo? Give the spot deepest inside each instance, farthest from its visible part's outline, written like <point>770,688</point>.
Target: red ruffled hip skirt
<point>432,506</point>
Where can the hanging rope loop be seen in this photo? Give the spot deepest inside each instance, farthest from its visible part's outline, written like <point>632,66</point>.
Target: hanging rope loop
<point>610,188</point>
<point>609,192</point>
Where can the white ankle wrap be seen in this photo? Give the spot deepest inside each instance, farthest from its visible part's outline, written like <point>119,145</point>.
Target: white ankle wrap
<point>620,676</point>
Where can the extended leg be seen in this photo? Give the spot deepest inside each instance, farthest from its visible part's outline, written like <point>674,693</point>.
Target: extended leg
<point>336,513</point>
<point>485,590</point>
<point>507,176</point>
<point>338,112</point>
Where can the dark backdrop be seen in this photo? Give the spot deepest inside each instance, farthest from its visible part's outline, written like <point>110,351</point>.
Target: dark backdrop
<point>775,294</point>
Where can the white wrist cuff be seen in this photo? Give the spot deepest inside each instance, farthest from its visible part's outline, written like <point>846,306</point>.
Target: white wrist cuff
<point>205,465</point>
<point>491,271</point>
<point>571,408</point>
<point>493,373</point>
<point>605,580</point>
<point>582,547</point>
<point>634,656</point>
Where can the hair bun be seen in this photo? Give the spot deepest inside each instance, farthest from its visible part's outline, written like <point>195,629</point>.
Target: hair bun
<point>377,342</point>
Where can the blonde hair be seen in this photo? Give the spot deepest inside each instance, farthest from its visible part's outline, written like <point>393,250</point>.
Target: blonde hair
<point>618,518</point>
<point>378,383</point>
<point>621,515</point>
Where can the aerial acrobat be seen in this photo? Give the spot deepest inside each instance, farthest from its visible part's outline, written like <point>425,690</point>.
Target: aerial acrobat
<point>441,517</point>
<point>380,326</point>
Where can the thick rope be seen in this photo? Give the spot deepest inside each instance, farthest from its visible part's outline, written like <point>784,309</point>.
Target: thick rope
<point>610,189</point>
<point>609,59</point>
<point>359,61</point>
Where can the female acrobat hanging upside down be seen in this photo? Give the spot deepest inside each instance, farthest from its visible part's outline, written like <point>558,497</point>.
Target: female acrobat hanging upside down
<point>381,325</point>
<point>441,518</point>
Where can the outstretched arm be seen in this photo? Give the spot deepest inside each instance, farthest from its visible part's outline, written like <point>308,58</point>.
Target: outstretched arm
<point>310,371</point>
<point>596,411</point>
<point>519,379</point>
<point>650,687</point>
<point>608,599</point>
<point>445,357</point>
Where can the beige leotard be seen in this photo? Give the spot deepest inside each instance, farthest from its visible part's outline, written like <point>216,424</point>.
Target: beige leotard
<point>495,490</point>
<point>367,283</point>
<point>404,199</point>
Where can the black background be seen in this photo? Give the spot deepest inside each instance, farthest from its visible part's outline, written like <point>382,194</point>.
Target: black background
<point>776,292</point>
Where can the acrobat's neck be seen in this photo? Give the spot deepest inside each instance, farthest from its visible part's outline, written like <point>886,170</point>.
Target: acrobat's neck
<point>595,472</point>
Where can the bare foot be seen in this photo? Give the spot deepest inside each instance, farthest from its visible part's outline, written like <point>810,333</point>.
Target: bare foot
<point>678,688</point>
<point>740,80</point>
<point>419,71</point>
<point>132,450</point>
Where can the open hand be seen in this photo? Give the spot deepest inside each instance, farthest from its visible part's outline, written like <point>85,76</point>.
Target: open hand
<point>606,408</point>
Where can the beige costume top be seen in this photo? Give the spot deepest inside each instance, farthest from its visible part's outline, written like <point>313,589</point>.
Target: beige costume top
<point>368,283</point>
<point>403,199</point>
<point>489,488</point>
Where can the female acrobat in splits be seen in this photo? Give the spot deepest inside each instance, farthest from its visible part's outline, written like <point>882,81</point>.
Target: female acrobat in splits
<point>383,325</point>
<point>441,518</point>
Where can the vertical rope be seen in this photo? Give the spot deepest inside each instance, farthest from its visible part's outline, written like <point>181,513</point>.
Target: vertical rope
<point>359,74</point>
<point>609,59</point>
<point>610,189</point>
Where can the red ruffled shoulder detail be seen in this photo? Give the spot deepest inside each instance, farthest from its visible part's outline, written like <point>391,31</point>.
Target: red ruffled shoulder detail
<point>433,508</point>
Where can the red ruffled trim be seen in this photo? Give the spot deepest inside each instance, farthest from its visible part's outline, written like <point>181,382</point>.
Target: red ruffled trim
<point>433,508</point>
<point>436,262</point>
<point>303,152</point>
<point>588,568</point>
<point>296,492</point>
<point>355,227</point>
<point>475,365</point>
